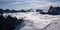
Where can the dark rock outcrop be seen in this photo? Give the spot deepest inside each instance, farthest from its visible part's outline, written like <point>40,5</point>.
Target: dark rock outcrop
<point>1,11</point>
<point>54,10</point>
<point>40,11</point>
<point>9,23</point>
<point>22,10</point>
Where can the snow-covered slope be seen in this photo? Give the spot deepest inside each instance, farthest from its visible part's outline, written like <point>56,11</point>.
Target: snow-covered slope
<point>54,25</point>
<point>36,21</point>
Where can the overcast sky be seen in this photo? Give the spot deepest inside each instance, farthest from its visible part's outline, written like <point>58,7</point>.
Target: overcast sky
<point>27,4</point>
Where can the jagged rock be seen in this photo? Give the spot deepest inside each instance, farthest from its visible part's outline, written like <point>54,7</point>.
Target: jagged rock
<point>54,10</point>
<point>9,23</point>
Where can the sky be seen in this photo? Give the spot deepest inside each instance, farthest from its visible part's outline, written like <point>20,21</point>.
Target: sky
<point>28,4</point>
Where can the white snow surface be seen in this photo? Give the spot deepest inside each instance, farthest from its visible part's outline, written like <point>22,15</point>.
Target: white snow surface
<point>36,21</point>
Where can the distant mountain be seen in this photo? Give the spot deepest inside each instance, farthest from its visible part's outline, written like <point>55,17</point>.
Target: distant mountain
<point>54,10</point>
<point>40,11</point>
<point>10,11</point>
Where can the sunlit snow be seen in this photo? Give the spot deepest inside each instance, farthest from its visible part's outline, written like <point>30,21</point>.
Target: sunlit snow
<point>34,20</point>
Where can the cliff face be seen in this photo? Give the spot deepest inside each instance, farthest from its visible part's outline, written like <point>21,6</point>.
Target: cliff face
<point>54,10</point>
